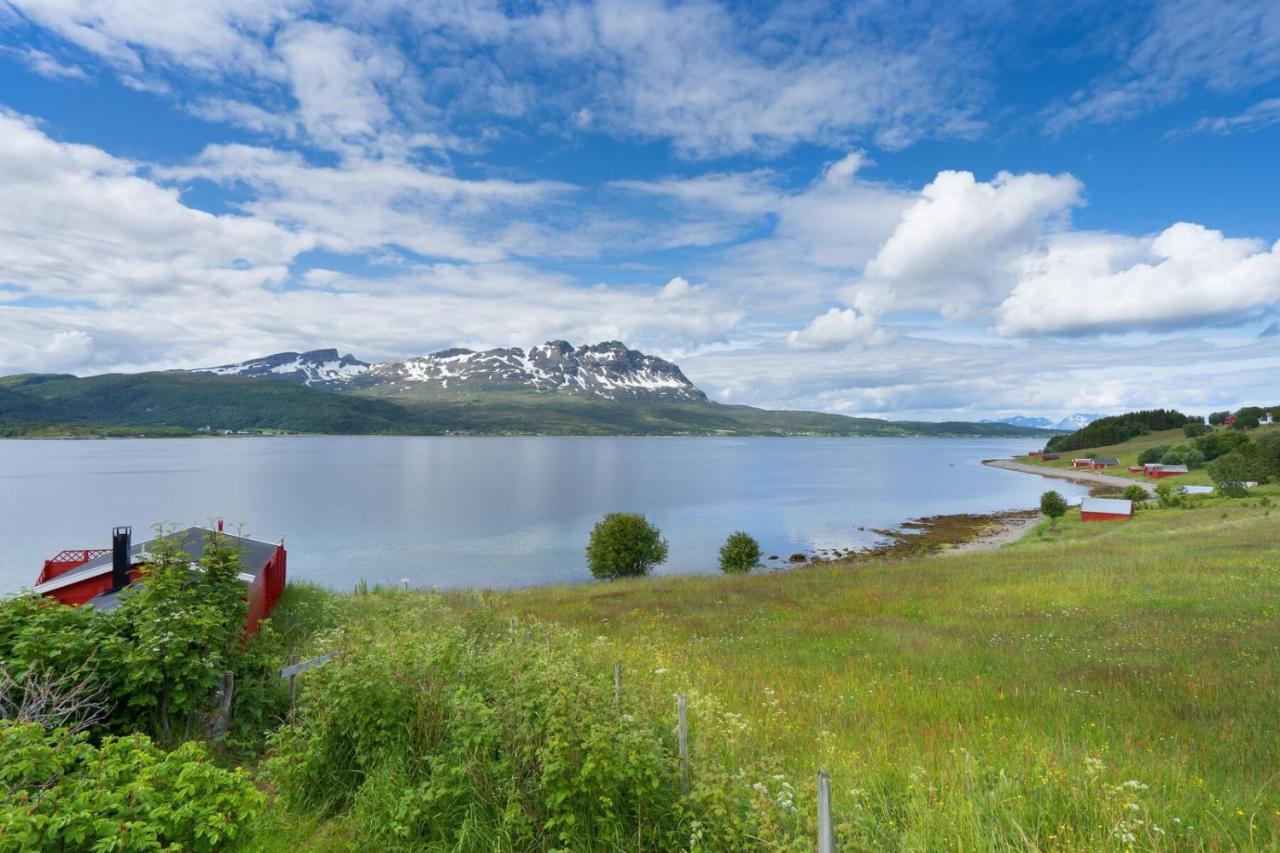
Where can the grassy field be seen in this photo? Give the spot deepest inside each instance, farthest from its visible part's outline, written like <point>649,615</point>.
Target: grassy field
<point>1128,452</point>
<point>1099,686</point>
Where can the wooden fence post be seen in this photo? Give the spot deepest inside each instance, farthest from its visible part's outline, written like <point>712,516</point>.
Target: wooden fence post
<point>826,832</point>
<point>617,685</point>
<point>682,732</point>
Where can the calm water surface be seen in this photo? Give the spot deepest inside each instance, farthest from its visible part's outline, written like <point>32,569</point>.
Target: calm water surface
<point>490,512</point>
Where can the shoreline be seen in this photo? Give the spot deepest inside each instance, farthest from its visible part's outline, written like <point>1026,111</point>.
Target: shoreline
<point>936,536</point>
<point>1083,477</point>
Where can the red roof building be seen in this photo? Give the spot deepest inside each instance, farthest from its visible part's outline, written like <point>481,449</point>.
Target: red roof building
<point>97,576</point>
<point>1105,509</point>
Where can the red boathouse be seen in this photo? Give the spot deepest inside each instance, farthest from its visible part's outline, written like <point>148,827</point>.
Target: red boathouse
<point>1105,509</point>
<point>97,576</point>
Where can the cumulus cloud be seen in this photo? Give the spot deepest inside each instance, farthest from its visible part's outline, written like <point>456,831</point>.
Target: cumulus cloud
<point>960,241</point>
<point>1186,275</point>
<point>835,329</point>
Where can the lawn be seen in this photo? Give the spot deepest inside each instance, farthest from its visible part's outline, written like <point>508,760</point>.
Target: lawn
<point>1128,452</point>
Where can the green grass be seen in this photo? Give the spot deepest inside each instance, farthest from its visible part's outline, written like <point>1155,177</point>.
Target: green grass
<point>1098,686</point>
<point>969,698</point>
<point>1127,452</point>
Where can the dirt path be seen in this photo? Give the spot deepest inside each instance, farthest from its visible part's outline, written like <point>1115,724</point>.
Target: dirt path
<point>1075,475</point>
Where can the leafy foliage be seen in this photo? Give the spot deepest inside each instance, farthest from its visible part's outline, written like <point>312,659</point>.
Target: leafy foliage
<point>60,792</point>
<point>740,553</point>
<point>1134,493</point>
<point>1118,428</point>
<point>159,658</point>
<point>1153,454</point>
<point>624,544</point>
<point>1053,505</point>
<point>446,730</point>
<point>1219,443</point>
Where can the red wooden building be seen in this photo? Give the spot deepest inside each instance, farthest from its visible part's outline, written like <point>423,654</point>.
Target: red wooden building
<point>97,576</point>
<point>1159,472</point>
<point>1105,509</point>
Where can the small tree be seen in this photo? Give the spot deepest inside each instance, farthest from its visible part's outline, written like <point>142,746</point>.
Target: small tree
<point>1054,506</point>
<point>740,553</point>
<point>1171,457</point>
<point>1134,493</point>
<point>624,544</point>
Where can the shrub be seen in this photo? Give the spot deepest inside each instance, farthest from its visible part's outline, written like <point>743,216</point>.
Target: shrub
<point>157,661</point>
<point>1245,463</point>
<point>64,793</point>
<point>1216,418</point>
<point>1135,493</point>
<point>1168,496</point>
<point>1219,443</point>
<point>1193,458</point>
<point>1054,506</point>
<point>624,544</point>
<point>739,553</point>
<point>471,731</point>
<point>1171,457</point>
<point>1153,454</point>
<point>1194,430</point>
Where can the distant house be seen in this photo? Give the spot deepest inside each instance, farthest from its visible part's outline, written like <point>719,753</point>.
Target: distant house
<point>1136,469</point>
<point>1099,464</point>
<point>1049,457</point>
<point>1081,463</point>
<point>1158,471</point>
<point>1229,420</point>
<point>97,576</point>
<point>1105,509</point>
<point>1196,490</point>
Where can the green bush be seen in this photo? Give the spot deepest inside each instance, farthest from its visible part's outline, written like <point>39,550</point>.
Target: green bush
<point>1193,458</point>
<point>624,544</point>
<point>1152,454</point>
<point>1219,443</point>
<point>1135,493</point>
<point>64,793</point>
<point>1053,505</point>
<point>1171,457</point>
<point>466,731</point>
<point>1194,430</point>
<point>739,553</point>
<point>159,657</point>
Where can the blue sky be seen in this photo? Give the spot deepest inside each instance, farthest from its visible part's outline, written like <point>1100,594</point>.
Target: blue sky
<point>931,210</point>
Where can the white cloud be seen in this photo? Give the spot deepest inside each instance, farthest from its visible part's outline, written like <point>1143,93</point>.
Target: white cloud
<point>835,329</point>
<point>47,65</point>
<point>1186,275</point>
<point>960,242</point>
<point>1216,45</point>
<point>1262,114</point>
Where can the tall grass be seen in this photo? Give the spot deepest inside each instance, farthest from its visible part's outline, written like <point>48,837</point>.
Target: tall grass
<point>1104,687</point>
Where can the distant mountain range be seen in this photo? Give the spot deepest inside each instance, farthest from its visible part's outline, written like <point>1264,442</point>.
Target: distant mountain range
<point>552,388</point>
<point>607,370</point>
<point>1070,423</point>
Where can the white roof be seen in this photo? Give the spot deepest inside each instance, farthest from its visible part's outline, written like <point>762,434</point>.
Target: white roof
<point>1112,506</point>
<point>1196,490</point>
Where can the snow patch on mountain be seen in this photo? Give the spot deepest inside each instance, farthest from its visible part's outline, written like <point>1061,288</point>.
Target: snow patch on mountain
<point>607,370</point>
<point>317,368</point>
<point>1070,423</point>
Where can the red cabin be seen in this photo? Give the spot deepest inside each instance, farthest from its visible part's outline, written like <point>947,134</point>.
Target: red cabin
<point>97,576</point>
<point>1105,509</point>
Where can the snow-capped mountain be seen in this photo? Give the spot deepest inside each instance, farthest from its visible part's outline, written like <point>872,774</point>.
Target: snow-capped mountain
<point>1070,423</point>
<point>608,370</point>
<point>317,368</point>
<point>1077,421</point>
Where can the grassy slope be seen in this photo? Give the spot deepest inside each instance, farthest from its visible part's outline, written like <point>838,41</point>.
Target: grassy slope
<point>1127,452</point>
<point>968,695</point>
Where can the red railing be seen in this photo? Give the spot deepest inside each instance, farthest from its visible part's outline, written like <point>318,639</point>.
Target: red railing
<point>65,561</point>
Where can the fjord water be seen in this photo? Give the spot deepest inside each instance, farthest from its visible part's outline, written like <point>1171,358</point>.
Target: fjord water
<point>490,512</point>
